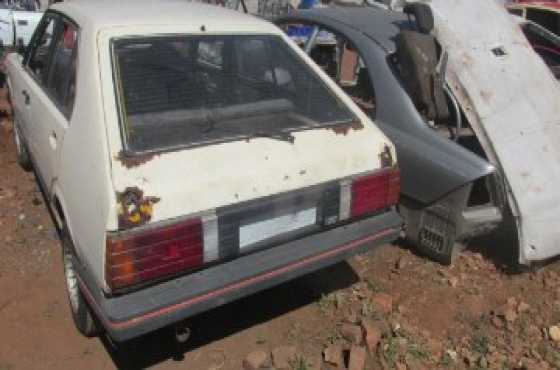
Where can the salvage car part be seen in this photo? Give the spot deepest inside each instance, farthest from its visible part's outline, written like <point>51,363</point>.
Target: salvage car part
<point>446,176</point>
<point>511,102</point>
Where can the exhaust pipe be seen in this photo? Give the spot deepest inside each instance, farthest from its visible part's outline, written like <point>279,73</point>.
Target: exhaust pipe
<point>182,333</point>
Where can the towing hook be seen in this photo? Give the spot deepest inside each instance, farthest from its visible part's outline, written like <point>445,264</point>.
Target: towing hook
<point>182,333</point>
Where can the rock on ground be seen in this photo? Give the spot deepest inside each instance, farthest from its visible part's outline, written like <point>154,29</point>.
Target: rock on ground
<point>333,355</point>
<point>256,360</point>
<point>357,358</point>
<point>352,333</point>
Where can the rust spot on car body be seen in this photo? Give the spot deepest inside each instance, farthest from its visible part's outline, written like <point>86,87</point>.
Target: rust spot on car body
<point>130,160</point>
<point>135,208</point>
<point>343,129</point>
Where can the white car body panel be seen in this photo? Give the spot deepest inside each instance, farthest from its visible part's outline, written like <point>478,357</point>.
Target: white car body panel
<point>511,101</point>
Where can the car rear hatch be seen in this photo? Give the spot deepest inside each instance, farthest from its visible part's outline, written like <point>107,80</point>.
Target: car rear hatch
<point>221,160</point>
<point>244,196</point>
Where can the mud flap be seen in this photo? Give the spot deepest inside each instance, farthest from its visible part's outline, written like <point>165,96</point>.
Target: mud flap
<point>434,229</point>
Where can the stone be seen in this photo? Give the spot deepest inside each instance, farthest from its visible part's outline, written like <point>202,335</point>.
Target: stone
<point>357,358</point>
<point>256,360</point>
<point>523,307</point>
<point>372,334</point>
<point>452,355</point>
<point>554,333</point>
<point>352,333</point>
<point>382,302</point>
<point>401,263</point>
<point>333,355</point>
<point>283,356</point>
<point>453,281</point>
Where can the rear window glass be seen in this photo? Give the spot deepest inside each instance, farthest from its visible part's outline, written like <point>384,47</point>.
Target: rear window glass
<point>184,91</point>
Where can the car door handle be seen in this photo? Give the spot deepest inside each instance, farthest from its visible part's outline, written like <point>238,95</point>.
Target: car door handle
<point>26,97</point>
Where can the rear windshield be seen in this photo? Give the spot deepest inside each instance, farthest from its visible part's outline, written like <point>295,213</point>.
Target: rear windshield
<point>189,90</point>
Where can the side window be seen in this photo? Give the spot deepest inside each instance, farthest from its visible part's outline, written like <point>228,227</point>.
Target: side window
<point>252,59</point>
<point>338,57</point>
<point>39,54</point>
<point>211,53</point>
<point>62,81</point>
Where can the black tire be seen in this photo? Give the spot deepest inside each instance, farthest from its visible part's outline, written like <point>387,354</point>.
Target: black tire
<point>23,158</point>
<point>81,313</point>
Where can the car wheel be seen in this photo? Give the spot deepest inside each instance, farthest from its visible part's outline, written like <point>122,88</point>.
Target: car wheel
<point>21,151</point>
<point>81,312</point>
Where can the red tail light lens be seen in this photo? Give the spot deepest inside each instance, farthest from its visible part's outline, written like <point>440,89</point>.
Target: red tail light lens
<point>154,253</point>
<point>375,192</point>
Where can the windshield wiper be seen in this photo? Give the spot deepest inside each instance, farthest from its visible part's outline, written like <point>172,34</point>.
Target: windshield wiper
<point>276,135</point>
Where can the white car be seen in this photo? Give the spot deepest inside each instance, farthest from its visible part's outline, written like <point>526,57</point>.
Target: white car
<point>17,25</point>
<point>191,155</point>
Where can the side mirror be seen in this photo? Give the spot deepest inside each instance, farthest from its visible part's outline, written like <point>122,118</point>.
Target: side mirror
<point>423,15</point>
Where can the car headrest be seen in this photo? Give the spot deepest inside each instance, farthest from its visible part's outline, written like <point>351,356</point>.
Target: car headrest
<point>423,15</point>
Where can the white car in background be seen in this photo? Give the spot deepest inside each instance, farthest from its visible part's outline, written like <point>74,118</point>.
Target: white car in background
<point>17,25</point>
<point>191,155</point>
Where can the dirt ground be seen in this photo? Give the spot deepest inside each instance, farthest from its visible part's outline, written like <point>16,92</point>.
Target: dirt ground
<point>480,313</point>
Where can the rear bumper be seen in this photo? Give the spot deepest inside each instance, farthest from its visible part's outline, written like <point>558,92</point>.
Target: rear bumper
<point>131,315</point>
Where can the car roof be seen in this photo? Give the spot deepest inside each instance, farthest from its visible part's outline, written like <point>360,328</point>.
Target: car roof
<point>379,24</point>
<point>100,14</point>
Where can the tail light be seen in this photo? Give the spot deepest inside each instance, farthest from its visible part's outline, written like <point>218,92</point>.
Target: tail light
<point>375,192</point>
<point>139,256</point>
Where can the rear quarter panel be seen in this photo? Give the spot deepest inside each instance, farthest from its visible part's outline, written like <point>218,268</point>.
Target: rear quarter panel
<point>84,185</point>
